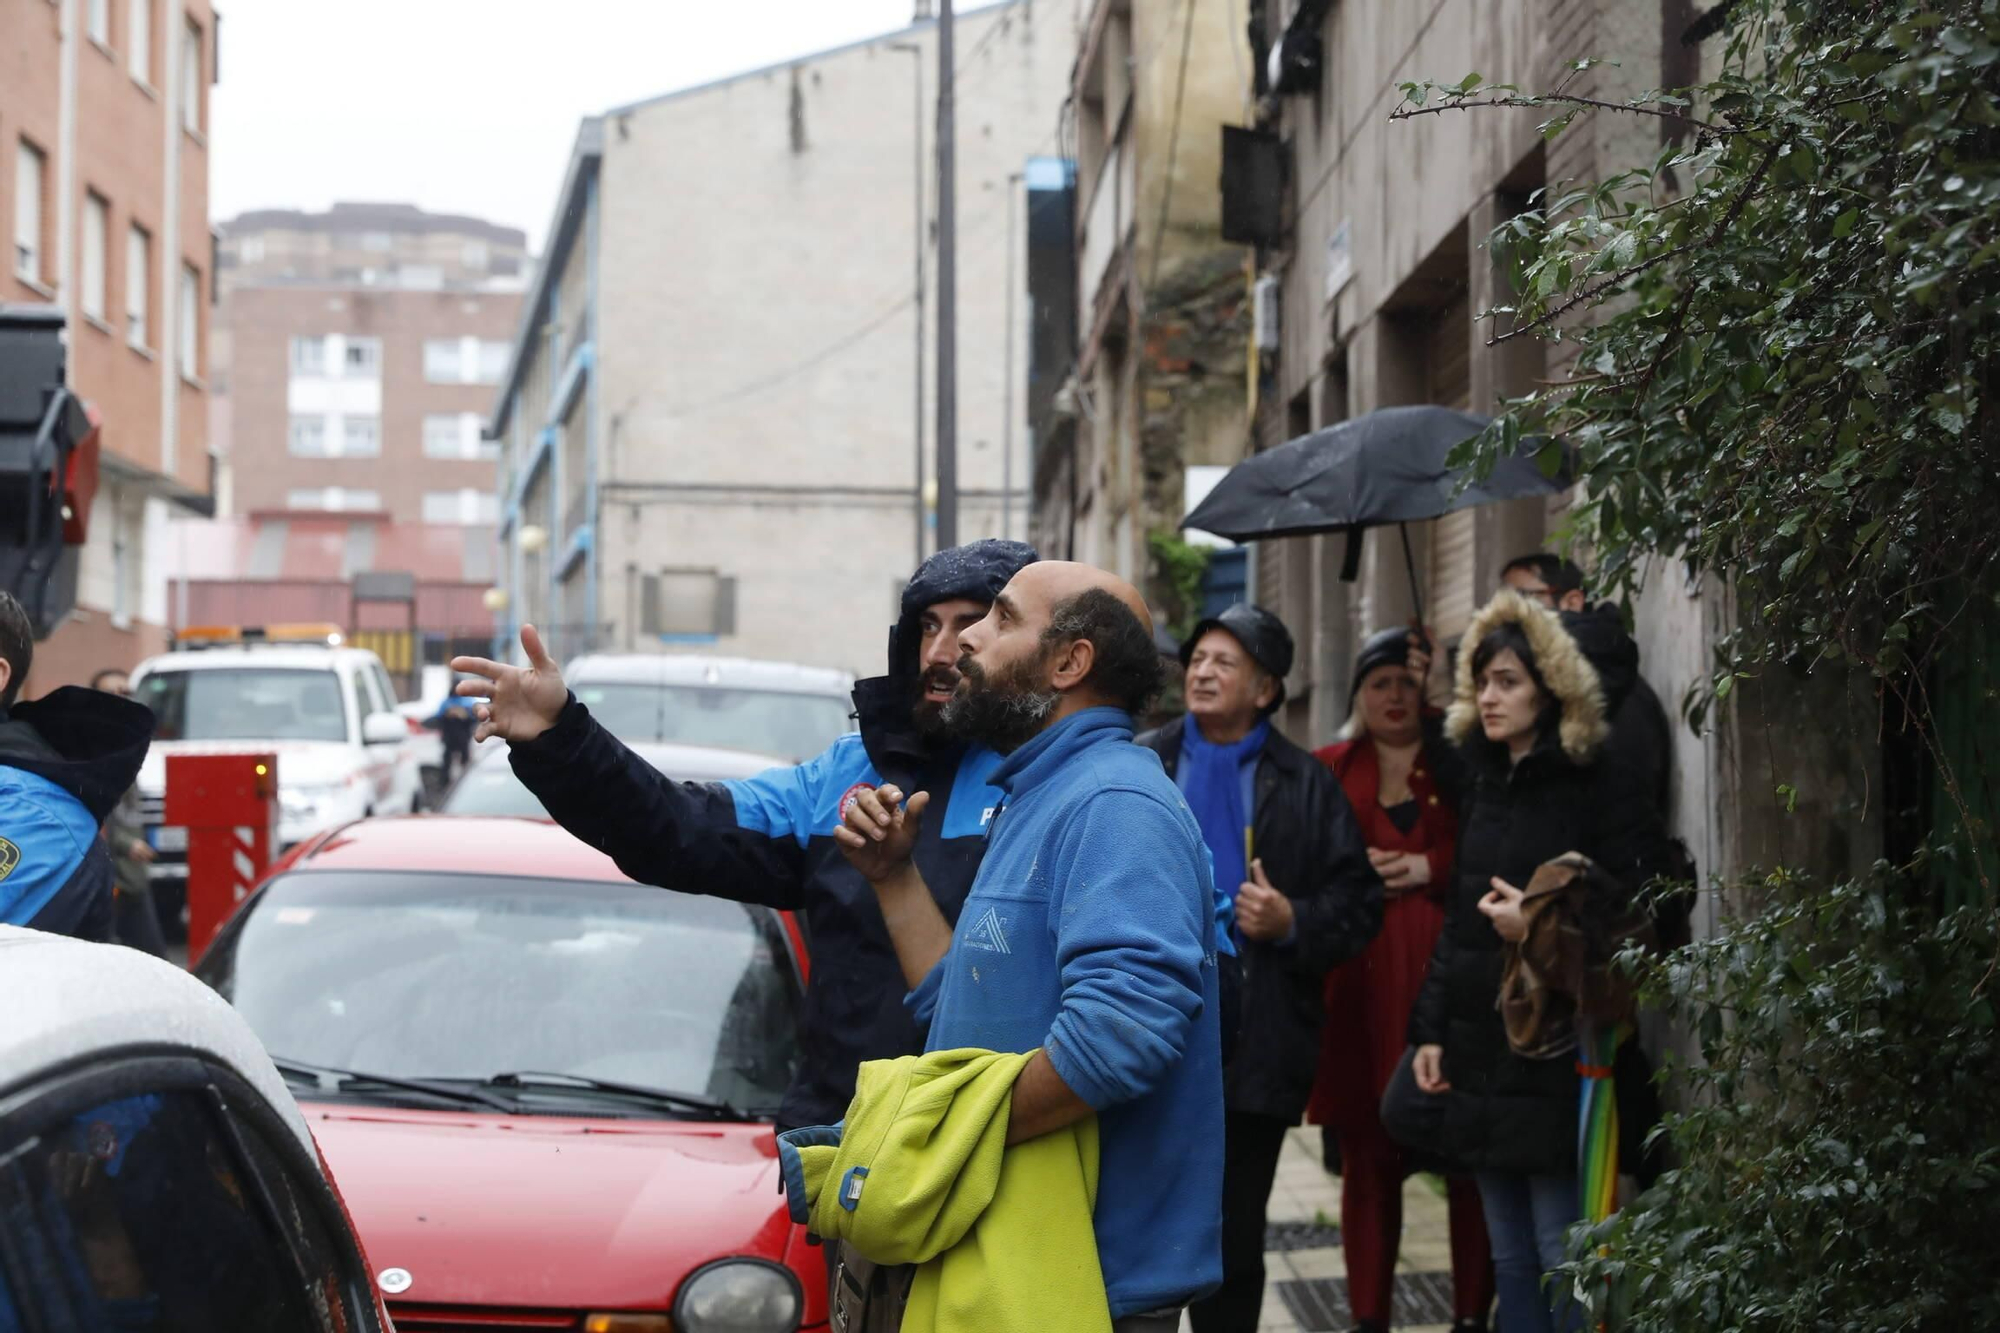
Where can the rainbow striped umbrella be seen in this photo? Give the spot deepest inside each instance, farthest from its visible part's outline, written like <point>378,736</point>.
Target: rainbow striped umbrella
<point>1597,1118</point>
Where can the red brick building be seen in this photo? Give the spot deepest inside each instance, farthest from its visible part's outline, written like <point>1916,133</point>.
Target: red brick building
<point>359,349</point>
<point>104,201</point>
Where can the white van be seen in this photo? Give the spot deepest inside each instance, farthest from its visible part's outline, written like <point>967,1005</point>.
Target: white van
<point>328,712</point>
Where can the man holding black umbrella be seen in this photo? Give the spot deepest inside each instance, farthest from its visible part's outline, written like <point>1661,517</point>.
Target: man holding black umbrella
<point>1277,825</point>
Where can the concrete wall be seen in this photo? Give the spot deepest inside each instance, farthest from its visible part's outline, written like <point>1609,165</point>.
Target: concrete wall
<point>756,331</point>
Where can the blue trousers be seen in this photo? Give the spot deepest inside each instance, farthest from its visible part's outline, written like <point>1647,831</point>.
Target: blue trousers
<point>1526,1220</point>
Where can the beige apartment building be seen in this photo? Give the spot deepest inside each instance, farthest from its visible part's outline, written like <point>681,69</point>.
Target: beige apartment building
<point>708,424</point>
<point>1161,299</point>
<point>356,350</point>
<point>104,158</point>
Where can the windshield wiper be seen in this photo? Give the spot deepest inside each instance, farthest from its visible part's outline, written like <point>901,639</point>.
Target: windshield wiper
<point>542,1081</point>
<point>328,1079</point>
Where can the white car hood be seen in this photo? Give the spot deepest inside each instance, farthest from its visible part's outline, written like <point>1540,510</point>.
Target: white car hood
<point>300,763</point>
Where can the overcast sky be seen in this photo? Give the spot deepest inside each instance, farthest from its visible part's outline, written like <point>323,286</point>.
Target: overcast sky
<point>469,106</point>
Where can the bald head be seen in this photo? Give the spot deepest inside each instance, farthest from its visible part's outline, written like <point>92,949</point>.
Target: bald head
<point>1061,637</point>
<point>1048,583</point>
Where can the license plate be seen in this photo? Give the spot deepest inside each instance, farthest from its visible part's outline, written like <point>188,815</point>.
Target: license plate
<point>168,838</point>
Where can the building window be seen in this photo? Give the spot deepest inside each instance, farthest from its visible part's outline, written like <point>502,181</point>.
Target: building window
<point>29,164</point>
<point>336,499</point>
<point>250,250</point>
<point>466,507</point>
<point>139,41</point>
<point>492,362</point>
<point>360,437</point>
<point>473,254</point>
<point>363,359</point>
<point>191,88</point>
<point>121,567</point>
<point>687,601</point>
<point>377,242</point>
<point>190,313</point>
<point>441,436</point>
<point>308,437</point>
<point>309,356</point>
<point>138,283</point>
<point>464,361</point>
<point>445,435</point>
<point>441,360</point>
<point>96,257</point>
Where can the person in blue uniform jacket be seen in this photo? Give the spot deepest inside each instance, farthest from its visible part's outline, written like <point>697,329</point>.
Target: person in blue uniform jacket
<point>769,839</point>
<point>65,760</point>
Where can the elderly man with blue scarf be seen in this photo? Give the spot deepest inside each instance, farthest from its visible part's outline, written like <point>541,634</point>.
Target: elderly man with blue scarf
<point>1278,825</point>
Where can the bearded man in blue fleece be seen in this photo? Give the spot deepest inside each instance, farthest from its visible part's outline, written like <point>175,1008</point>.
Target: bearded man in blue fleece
<point>1089,933</point>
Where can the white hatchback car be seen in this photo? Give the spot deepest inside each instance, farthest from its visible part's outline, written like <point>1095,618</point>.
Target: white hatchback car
<point>154,1169</point>
<point>732,703</point>
<point>327,712</point>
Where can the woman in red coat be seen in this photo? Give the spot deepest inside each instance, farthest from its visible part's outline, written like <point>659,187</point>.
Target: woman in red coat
<point>1388,767</point>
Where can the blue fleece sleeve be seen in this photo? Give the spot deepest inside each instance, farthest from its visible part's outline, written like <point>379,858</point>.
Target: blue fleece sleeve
<point>922,1002</point>
<point>43,839</point>
<point>1225,909</point>
<point>1134,919</point>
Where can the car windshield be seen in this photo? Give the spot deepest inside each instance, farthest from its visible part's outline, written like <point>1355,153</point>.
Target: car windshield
<point>489,787</point>
<point>452,976</point>
<point>796,726</point>
<point>245,704</point>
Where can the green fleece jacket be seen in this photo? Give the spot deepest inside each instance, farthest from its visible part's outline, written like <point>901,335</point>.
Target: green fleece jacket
<point>920,1173</point>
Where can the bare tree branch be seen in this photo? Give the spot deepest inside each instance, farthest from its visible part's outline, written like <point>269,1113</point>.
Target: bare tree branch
<point>1570,99</point>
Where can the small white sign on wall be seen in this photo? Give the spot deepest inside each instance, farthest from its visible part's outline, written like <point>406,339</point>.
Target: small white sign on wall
<point>1339,258</point>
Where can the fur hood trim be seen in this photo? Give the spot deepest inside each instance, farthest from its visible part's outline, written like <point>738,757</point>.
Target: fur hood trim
<point>1564,669</point>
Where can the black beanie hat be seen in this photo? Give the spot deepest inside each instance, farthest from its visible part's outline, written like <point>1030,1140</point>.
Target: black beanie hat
<point>1385,647</point>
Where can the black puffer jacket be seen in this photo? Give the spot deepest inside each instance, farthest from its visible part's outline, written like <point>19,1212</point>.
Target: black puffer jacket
<point>1311,847</point>
<point>1639,738</point>
<point>1504,1112</point>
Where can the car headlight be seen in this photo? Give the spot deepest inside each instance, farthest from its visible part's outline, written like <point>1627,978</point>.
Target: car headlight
<point>739,1296</point>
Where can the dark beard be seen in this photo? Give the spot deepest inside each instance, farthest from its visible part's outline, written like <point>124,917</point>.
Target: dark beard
<point>1004,712</point>
<point>927,717</point>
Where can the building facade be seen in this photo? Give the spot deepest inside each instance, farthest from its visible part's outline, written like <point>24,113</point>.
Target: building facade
<point>709,426</point>
<point>104,156</point>
<point>356,350</point>
<point>1381,268</point>
<point>1161,300</point>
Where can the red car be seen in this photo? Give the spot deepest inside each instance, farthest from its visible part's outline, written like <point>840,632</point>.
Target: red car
<point>545,1090</point>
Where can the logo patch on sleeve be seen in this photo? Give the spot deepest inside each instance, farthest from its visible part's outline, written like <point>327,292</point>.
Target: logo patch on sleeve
<point>10,856</point>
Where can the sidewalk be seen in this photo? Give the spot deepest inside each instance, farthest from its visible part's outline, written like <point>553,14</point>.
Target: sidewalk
<point>1305,1285</point>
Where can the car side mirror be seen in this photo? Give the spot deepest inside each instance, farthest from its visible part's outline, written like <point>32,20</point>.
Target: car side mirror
<point>384,729</point>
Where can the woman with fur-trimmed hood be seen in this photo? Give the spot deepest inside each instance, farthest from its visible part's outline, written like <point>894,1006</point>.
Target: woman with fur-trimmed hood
<point>1528,718</point>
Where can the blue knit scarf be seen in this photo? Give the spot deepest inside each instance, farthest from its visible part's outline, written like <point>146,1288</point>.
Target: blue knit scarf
<point>1218,782</point>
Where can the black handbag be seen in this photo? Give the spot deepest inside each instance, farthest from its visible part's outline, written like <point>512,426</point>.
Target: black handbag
<point>1414,1119</point>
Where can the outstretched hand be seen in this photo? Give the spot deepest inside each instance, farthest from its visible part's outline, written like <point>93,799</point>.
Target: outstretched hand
<point>878,830</point>
<point>521,702</point>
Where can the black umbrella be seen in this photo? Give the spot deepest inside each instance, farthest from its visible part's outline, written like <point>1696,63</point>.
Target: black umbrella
<point>1386,467</point>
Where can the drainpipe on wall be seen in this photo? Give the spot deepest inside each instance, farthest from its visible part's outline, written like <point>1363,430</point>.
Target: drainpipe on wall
<point>593,406</point>
<point>66,168</point>
<point>167,259</point>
